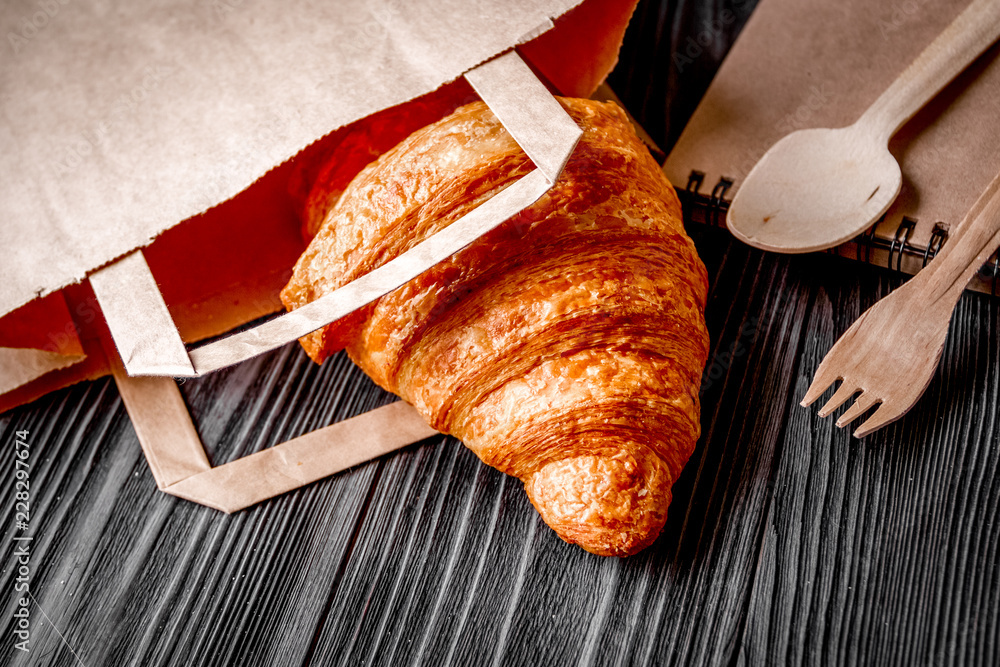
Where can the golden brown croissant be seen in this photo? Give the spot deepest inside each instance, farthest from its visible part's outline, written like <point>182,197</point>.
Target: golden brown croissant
<point>565,347</point>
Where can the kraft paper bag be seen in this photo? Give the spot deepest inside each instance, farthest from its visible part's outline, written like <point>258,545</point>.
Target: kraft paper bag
<point>141,146</point>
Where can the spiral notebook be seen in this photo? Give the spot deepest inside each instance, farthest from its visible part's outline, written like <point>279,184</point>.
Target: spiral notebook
<point>810,63</point>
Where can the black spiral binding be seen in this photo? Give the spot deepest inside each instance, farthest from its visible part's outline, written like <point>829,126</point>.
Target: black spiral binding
<point>900,242</point>
<point>938,237</point>
<point>711,209</point>
<point>991,272</point>
<point>706,209</point>
<point>996,271</point>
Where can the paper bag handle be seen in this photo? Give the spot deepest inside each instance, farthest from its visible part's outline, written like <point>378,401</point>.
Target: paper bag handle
<point>180,467</point>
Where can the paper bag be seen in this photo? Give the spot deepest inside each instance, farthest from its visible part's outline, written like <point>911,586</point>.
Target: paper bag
<point>182,132</point>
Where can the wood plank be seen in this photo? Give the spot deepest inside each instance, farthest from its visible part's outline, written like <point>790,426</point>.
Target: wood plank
<point>133,576</point>
<point>882,551</point>
<point>429,556</point>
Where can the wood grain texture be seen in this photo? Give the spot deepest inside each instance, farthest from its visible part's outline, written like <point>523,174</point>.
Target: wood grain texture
<point>884,551</point>
<point>788,542</point>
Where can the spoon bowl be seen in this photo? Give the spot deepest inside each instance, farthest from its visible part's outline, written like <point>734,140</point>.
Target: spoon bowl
<point>813,190</point>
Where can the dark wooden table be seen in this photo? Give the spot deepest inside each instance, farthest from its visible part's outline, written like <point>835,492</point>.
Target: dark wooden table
<point>788,541</point>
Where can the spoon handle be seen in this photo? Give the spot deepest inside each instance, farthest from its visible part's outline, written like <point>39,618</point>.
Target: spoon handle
<point>971,33</point>
<point>975,239</point>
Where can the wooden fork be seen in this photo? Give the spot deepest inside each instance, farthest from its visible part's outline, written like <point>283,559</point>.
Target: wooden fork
<point>890,353</point>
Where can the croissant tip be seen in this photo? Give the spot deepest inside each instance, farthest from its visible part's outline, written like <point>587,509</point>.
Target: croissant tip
<point>607,505</point>
<point>629,545</point>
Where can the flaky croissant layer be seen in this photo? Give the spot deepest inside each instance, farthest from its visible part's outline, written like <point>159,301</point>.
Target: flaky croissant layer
<point>565,347</point>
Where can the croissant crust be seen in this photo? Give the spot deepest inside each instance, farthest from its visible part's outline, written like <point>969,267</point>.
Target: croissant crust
<point>565,347</point>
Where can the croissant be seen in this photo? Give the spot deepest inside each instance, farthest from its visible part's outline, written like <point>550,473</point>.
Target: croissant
<point>565,347</point>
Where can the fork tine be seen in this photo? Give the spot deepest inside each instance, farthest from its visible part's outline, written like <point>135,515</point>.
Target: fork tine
<point>861,405</point>
<point>844,392</point>
<point>824,378</point>
<point>884,415</point>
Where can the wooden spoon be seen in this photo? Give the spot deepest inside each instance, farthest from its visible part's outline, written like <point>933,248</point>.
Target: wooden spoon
<point>817,188</point>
